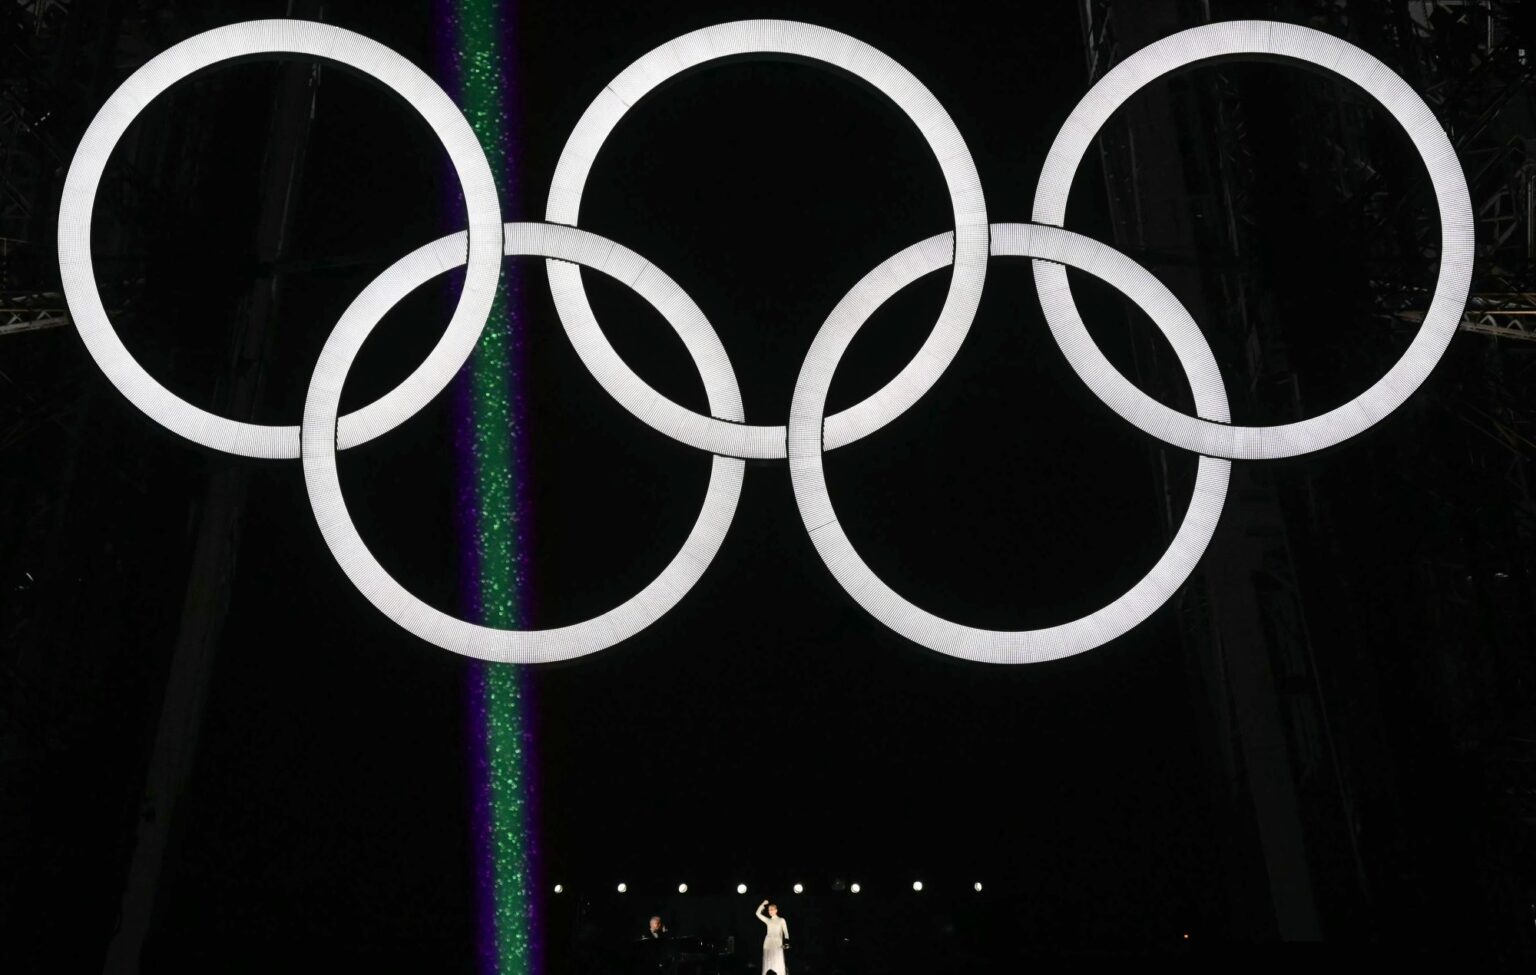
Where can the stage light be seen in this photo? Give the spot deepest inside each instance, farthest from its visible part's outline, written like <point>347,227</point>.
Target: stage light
<point>623,888</point>
<point>559,889</point>
<point>799,889</point>
<point>854,888</point>
<point>741,888</point>
<point>682,888</point>
<point>977,885</point>
<point>917,885</point>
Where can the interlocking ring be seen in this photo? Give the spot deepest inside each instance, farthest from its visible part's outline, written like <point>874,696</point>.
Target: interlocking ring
<point>773,37</point>
<point>882,602</point>
<point>278,37</point>
<point>392,599</point>
<point>1457,247</point>
<point>724,431</point>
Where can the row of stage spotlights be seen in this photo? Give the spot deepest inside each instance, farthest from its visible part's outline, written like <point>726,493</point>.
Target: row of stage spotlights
<point>917,885</point>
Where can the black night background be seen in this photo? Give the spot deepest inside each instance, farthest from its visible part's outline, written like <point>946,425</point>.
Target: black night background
<point>768,731</point>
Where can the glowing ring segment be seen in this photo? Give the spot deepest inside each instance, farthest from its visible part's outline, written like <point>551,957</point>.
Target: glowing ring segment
<point>278,37</point>
<point>1457,245</point>
<point>322,403</point>
<point>884,603</point>
<point>780,37</point>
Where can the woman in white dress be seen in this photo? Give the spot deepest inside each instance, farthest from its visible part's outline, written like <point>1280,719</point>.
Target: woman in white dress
<point>773,941</point>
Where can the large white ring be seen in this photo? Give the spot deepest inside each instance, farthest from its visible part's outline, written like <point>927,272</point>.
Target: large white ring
<point>278,37</point>
<point>322,404</point>
<point>715,433</point>
<point>869,590</point>
<point>1456,239</point>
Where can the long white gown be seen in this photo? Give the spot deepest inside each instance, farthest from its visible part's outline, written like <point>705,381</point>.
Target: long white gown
<point>773,943</point>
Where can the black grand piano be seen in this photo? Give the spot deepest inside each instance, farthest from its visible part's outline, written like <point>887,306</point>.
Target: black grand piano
<point>681,956</point>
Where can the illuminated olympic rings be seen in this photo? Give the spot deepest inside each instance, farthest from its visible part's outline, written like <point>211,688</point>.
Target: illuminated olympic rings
<point>724,432</point>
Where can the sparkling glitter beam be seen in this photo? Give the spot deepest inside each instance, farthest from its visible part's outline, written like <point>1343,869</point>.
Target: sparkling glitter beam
<point>493,523</point>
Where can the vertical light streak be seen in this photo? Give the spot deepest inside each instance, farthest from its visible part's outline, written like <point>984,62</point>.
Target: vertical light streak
<point>493,525</point>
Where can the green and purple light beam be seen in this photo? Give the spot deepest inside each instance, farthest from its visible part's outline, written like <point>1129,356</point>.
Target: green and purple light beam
<point>491,441</point>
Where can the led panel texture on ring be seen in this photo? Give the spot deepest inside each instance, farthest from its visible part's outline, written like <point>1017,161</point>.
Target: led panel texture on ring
<point>311,40</point>
<point>1457,246</point>
<point>884,603</point>
<point>776,37</point>
<point>322,404</point>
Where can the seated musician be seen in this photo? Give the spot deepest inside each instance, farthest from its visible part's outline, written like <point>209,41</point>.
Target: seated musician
<point>657,930</point>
